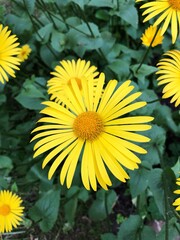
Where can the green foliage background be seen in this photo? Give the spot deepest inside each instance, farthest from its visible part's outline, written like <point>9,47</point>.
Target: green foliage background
<point>106,32</point>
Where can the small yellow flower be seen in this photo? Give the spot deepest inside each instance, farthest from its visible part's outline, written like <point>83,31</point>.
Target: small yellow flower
<point>169,68</point>
<point>167,11</point>
<point>24,53</point>
<point>66,72</point>
<point>11,211</point>
<point>177,201</point>
<point>148,36</point>
<point>8,54</point>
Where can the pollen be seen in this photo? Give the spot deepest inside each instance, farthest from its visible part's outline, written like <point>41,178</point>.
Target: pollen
<point>88,125</point>
<point>175,4</point>
<point>5,210</point>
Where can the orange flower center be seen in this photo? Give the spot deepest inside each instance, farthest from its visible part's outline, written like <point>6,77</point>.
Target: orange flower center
<point>175,4</point>
<point>5,210</point>
<point>88,125</point>
<point>77,80</point>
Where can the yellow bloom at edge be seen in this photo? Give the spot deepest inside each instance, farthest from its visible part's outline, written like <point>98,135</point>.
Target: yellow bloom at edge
<point>8,54</point>
<point>169,69</point>
<point>167,11</point>
<point>11,211</point>
<point>24,52</point>
<point>148,36</point>
<point>69,71</point>
<point>177,201</point>
<point>94,131</point>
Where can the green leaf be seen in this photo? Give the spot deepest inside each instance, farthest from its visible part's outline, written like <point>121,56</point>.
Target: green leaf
<point>164,117</point>
<point>30,4</point>
<point>138,181</point>
<point>120,67</point>
<point>129,14</point>
<point>70,208</point>
<point>108,236</point>
<point>5,165</point>
<point>156,187</point>
<point>31,95</point>
<point>43,34</point>
<point>101,3</point>
<point>2,98</point>
<point>129,228</point>
<point>57,41</point>
<point>144,70</point>
<point>148,233</point>
<point>158,136</point>
<point>102,205</point>
<point>45,210</point>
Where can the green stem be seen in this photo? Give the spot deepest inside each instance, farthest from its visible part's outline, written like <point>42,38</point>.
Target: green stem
<point>36,30</point>
<point>42,4</point>
<point>156,100</point>
<point>147,51</point>
<point>107,212</point>
<point>166,203</point>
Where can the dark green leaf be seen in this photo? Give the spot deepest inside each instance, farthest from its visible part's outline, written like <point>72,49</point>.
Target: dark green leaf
<point>45,210</point>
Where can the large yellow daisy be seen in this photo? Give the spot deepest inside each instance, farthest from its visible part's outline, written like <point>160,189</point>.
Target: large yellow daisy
<point>8,54</point>
<point>165,10</point>
<point>67,72</point>
<point>11,211</point>
<point>169,69</point>
<point>94,130</point>
<point>148,36</point>
<point>177,201</point>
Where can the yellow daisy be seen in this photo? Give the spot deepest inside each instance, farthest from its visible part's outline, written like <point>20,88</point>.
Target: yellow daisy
<point>165,10</point>
<point>148,36</point>
<point>11,211</point>
<point>66,72</point>
<point>169,68</point>
<point>92,130</point>
<point>24,53</point>
<point>177,201</point>
<point>8,54</point>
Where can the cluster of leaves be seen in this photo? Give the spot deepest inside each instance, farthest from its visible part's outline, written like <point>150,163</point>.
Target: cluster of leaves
<point>106,32</point>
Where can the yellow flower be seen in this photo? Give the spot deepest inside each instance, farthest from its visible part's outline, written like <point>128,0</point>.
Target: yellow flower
<point>66,72</point>
<point>165,10</point>
<point>24,53</point>
<point>148,36</point>
<point>10,211</point>
<point>169,68</point>
<point>8,54</point>
<point>177,201</point>
<point>93,130</point>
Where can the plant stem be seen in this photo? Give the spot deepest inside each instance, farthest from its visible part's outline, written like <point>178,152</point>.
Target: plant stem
<point>166,203</point>
<point>107,212</point>
<point>147,51</point>
<point>35,28</point>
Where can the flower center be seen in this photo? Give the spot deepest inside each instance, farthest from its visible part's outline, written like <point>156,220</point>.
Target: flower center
<point>77,80</point>
<point>88,125</point>
<point>175,4</point>
<point>5,210</point>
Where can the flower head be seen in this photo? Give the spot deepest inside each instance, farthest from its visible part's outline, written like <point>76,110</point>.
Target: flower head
<point>169,69</point>
<point>165,10</point>
<point>11,211</point>
<point>177,201</point>
<point>67,72</point>
<point>8,54</point>
<point>93,130</point>
<point>24,53</point>
<point>148,36</point>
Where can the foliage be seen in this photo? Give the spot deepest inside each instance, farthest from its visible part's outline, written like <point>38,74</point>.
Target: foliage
<point>108,34</point>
